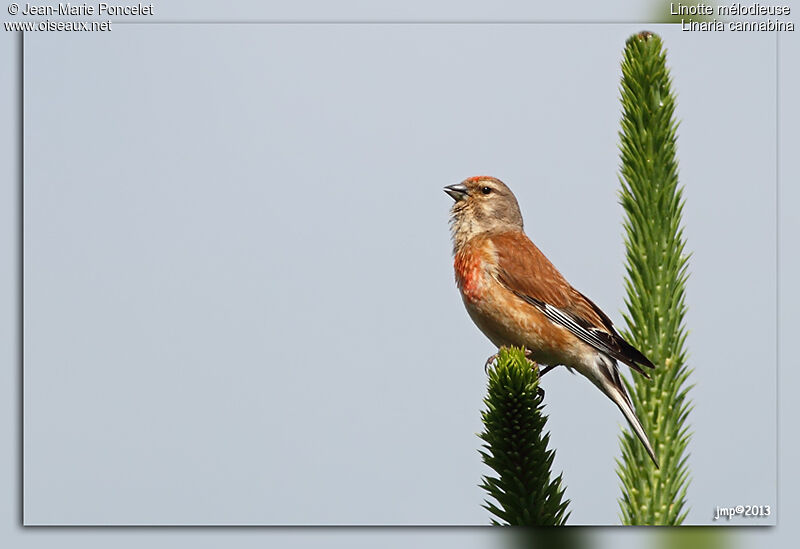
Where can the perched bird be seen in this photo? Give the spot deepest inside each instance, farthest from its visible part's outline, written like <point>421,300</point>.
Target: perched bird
<point>517,297</point>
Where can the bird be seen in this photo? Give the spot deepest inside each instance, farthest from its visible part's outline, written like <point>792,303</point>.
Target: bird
<point>517,297</point>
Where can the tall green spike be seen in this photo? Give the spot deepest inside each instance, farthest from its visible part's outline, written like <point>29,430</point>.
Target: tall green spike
<point>655,285</point>
<point>515,447</point>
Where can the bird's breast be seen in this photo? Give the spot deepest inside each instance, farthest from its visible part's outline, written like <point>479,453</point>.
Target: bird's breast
<point>505,318</point>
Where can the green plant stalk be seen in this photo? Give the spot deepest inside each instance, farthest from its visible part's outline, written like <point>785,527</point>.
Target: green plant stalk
<point>515,447</point>
<point>655,286</point>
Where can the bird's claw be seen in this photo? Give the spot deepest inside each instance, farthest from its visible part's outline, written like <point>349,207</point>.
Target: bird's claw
<point>528,355</point>
<point>534,365</point>
<point>489,361</point>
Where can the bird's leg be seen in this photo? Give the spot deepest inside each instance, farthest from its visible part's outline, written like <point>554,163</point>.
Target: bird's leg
<point>546,369</point>
<point>489,361</point>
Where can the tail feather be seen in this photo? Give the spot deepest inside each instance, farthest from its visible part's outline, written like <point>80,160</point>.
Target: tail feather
<point>611,385</point>
<point>624,404</point>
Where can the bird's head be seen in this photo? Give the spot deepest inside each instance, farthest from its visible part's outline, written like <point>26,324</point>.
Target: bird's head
<point>483,204</point>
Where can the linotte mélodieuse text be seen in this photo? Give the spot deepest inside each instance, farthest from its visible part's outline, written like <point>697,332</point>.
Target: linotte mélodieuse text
<point>735,10</point>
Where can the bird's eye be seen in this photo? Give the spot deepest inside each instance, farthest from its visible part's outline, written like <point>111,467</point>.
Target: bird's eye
<point>486,190</point>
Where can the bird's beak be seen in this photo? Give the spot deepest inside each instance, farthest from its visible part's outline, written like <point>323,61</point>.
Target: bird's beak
<point>457,192</point>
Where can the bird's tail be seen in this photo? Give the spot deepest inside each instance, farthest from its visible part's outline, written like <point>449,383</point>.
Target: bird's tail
<point>611,384</point>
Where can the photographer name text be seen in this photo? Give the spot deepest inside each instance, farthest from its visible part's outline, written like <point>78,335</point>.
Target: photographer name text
<point>102,8</point>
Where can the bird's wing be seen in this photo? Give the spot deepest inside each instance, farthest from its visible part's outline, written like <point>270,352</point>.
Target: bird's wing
<point>525,271</point>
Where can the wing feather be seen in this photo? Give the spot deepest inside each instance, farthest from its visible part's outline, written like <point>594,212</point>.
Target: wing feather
<point>525,271</point>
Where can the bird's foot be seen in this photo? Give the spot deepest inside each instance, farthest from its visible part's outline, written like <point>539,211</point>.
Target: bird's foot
<point>494,357</point>
<point>534,365</point>
<point>489,361</point>
<point>546,369</point>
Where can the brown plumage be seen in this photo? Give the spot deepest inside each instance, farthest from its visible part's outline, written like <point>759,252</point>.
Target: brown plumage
<point>517,297</point>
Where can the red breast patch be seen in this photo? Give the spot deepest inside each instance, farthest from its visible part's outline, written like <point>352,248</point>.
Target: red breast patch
<point>469,275</point>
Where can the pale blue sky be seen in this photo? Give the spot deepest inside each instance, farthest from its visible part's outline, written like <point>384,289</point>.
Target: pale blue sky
<point>238,281</point>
